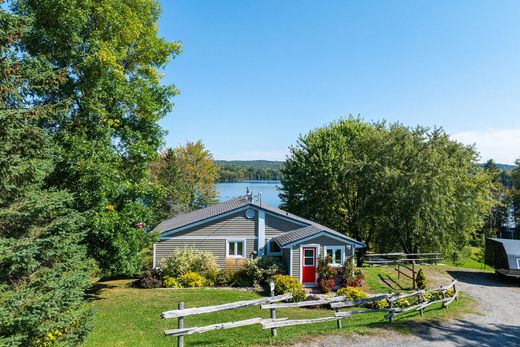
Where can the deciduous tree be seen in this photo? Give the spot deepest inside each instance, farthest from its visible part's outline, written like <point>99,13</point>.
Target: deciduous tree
<point>111,58</point>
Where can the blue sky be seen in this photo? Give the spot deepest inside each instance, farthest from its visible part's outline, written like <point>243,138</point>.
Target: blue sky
<point>255,74</point>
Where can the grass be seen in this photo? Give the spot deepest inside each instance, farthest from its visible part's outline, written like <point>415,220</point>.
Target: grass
<point>127,316</point>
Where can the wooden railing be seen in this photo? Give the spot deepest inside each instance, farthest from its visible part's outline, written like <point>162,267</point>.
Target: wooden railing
<point>274,302</point>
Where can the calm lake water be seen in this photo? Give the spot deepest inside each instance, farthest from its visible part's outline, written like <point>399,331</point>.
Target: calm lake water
<point>268,189</point>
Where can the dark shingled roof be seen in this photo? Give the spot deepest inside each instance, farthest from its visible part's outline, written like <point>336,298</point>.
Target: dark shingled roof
<point>204,213</point>
<point>309,228</point>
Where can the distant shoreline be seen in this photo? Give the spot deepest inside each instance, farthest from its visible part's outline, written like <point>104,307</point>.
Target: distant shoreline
<point>251,181</point>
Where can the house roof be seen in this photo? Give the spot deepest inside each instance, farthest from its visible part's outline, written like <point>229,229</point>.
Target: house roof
<point>202,214</point>
<point>309,228</point>
<point>512,247</point>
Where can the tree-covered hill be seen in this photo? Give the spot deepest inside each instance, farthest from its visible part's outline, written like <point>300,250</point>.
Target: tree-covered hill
<point>240,170</point>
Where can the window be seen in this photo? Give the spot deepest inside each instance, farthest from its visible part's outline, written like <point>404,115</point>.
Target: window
<point>236,248</point>
<point>273,248</point>
<point>308,257</point>
<point>336,254</point>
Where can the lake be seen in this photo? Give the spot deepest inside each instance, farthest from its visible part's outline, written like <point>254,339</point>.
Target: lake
<point>268,189</point>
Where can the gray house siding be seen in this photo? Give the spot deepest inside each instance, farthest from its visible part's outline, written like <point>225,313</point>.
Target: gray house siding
<point>236,224</point>
<point>275,226</point>
<point>211,236</point>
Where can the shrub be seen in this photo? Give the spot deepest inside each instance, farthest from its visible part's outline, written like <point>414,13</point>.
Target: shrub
<point>189,260</point>
<point>151,278</point>
<point>192,280</point>
<point>289,285</point>
<point>379,304</point>
<point>171,282</point>
<point>350,277</point>
<point>401,303</point>
<point>420,279</point>
<point>325,271</point>
<point>326,285</point>
<point>352,293</point>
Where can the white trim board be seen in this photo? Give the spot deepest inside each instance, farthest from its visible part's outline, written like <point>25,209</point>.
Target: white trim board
<point>261,233</point>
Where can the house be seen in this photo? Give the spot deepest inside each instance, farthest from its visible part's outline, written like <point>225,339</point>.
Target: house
<point>241,228</point>
<point>504,256</point>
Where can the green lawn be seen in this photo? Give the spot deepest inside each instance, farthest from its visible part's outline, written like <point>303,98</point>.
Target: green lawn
<point>127,316</point>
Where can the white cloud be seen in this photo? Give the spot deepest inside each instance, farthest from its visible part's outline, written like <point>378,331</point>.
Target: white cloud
<point>501,145</point>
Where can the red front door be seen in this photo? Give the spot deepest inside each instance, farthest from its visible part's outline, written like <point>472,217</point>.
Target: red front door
<point>309,265</point>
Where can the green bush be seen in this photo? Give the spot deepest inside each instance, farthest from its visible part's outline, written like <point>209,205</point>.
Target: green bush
<point>189,260</point>
<point>402,303</point>
<point>420,279</point>
<point>192,280</point>
<point>171,282</point>
<point>289,285</point>
<point>352,293</point>
<point>379,304</point>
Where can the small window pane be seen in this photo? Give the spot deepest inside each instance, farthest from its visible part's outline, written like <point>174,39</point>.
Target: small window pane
<point>231,248</point>
<point>337,259</point>
<point>240,248</point>
<point>329,253</point>
<point>309,261</point>
<point>273,247</point>
<point>309,253</point>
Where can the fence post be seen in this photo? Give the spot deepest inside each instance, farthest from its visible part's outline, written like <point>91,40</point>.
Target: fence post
<point>413,275</point>
<point>273,311</point>
<point>419,301</point>
<point>180,325</point>
<point>391,313</point>
<point>455,292</point>
<point>338,322</point>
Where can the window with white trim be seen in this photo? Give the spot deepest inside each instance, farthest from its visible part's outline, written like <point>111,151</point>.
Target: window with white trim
<point>336,254</point>
<point>236,248</point>
<point>273,248</point>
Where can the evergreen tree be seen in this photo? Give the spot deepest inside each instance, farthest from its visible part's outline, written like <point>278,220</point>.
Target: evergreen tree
<point>43,271</point>
<point>111,58</point>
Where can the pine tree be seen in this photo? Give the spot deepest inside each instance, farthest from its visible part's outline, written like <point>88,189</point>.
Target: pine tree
<point>43,271</point>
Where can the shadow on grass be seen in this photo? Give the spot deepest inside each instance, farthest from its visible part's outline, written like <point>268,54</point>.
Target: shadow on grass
<point>93,293</point>
<point>484,278</point>
<point>391,283</point>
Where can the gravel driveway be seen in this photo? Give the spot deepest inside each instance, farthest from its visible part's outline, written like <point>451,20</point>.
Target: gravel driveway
<point>499,324</point>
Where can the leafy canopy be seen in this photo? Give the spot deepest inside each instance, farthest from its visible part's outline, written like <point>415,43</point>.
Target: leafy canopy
<point>395,187</point>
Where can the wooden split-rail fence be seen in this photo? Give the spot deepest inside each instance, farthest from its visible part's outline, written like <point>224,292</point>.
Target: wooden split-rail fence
<point>275,302</point>
<point>405,262</point>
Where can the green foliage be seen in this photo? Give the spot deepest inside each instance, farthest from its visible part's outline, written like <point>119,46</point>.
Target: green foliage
<point>352,293</point>
<point>457,256</point>
<point>325,271</point>
<point>402,303</point>
<point>43,269</point>
<point>187,177</point>
<point>397,188</point>
<point>258,271</point>
<point>109,57</point>
<point>171,282</point>
<point>289,285</point>
<point>240,170</point>
<point>192,280</point>
<point>187,260</point>
<point>420,279</point>
<point>379,304</point>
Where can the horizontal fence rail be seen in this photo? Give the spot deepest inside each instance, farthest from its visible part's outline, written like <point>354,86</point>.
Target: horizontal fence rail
<point>335,303</point>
